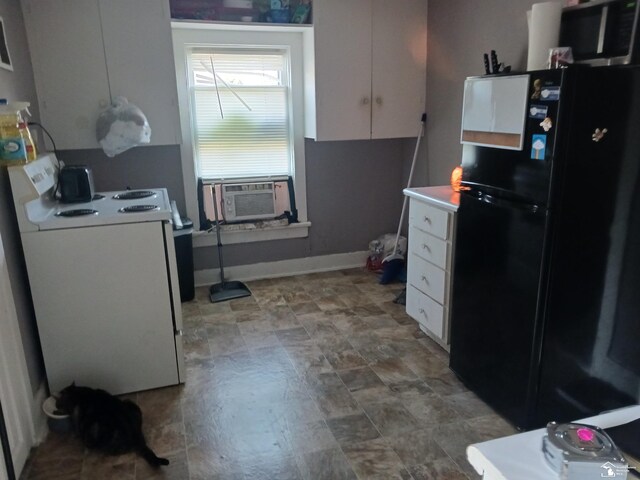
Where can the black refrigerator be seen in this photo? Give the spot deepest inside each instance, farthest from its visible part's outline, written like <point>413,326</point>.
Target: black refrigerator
<point>546,290</point>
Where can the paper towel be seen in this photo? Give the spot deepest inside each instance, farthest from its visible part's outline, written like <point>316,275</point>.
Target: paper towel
<point>544,32</point>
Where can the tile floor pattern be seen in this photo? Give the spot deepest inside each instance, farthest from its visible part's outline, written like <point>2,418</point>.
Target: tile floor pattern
<point>313,377</point>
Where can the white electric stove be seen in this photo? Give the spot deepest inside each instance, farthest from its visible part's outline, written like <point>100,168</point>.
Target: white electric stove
<point>104,283</point>
<point>107,208</point>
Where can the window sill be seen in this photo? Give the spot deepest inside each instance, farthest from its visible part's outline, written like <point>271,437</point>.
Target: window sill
<point>231,237</point>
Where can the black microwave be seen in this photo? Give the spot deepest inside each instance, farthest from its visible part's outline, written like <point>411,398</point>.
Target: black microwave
<point>602,32</point>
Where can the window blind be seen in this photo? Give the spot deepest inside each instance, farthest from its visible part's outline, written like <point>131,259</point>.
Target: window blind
<point>240,112</point>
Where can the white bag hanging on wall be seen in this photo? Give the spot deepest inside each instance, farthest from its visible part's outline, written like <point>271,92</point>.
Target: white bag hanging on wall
<point>121,127</point>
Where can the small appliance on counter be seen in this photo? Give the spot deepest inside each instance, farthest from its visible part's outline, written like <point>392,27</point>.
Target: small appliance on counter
<point>603,32</point>
<point>76,184</point>
<point>582,452</point>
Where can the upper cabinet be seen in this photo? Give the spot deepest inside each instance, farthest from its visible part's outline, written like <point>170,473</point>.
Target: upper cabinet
<point>365,69</point>
<point>86,52</point>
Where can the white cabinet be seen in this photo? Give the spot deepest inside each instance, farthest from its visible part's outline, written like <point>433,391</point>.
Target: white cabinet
<point>365,69</point>
<point>430,258</point>
<point>85,52</point>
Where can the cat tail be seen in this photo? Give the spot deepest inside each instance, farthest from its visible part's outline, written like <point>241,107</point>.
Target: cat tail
<point>151,458</point>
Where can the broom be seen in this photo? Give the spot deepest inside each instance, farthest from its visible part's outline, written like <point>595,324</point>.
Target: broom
<point>392,264</point>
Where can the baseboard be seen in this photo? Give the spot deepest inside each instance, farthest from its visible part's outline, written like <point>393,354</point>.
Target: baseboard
<point>283,268</point>
<point>40,428</point>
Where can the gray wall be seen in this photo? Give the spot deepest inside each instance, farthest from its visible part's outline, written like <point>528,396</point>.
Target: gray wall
<point>18,85</point>
<point>354,194</point>
<point>139,167</point>
<point>459,32</point>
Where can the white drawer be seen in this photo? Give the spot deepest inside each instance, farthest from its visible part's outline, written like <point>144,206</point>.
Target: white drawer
<point>427,278</point>
<point>429,219</point>
<point>429,247</point>
<point>426,312</point>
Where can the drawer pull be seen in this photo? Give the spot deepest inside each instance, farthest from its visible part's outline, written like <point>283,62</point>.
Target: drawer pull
<point>424,279</point>
<point>424,313</point>
<point>427,219</point>
<point>426,247</point>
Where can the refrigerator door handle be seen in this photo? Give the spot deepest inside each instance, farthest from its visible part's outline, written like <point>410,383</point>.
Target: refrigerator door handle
<point>501,202</point>
<point>479,195</point>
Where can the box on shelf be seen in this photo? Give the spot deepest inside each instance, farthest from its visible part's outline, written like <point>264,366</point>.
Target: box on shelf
<point>261,11</point>
<point>246,4</point>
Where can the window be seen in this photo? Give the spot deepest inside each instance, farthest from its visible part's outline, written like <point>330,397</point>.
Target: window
<point>239,106</point>
<point>246,121</point>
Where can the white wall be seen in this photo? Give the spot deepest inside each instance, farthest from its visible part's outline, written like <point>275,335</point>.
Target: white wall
<point>18,85</point>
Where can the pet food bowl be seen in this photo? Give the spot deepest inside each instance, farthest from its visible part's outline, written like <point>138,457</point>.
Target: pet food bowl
<point>59,423</point>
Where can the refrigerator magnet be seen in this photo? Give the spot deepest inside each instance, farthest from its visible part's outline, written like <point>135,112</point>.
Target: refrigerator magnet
<point>546,124</point>
<point>538,111</point>
<point>537,87</point>
<point>538,147</point>
<point>550,93</point>
<point>598,134</point>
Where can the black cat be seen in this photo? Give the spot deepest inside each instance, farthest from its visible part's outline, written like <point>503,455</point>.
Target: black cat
<point>106,423</point>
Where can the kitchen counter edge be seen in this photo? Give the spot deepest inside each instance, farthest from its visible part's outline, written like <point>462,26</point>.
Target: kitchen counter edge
<point>441,196</point>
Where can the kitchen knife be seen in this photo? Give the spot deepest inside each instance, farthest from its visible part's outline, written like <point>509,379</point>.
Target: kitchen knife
<point>495,66</point>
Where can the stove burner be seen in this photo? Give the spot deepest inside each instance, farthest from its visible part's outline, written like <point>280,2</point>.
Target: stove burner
<point>138,208</point>
<point>134,194</point>
<point>97,196</point>
<point>79,212</point>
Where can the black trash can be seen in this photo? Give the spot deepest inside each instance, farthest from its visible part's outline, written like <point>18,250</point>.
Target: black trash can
<point>183,239</point>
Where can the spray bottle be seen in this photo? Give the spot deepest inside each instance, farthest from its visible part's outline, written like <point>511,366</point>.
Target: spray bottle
<point>16,142</point>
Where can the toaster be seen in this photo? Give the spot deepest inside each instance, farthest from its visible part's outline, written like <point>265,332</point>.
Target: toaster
<point>76,184</point>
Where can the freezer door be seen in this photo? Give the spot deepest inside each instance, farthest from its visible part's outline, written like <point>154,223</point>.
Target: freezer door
<point>525,172</point>
<point>499,251</point>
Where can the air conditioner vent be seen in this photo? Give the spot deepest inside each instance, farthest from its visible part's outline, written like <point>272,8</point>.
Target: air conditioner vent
<point>249,201</point>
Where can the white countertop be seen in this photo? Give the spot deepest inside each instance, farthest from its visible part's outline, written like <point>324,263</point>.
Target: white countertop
<point>440,196</point>
<point>520,456</point>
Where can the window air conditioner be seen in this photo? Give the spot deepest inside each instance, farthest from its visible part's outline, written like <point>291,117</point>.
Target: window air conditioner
<point>248,201</point>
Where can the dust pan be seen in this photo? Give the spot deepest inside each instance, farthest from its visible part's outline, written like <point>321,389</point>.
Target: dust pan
<point>223,291</point>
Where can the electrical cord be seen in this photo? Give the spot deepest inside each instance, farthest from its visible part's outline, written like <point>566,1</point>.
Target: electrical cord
<point>55,150</point>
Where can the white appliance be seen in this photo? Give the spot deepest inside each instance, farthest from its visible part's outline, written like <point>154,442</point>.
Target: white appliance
<point>104,283</point>
<point>248,201</point>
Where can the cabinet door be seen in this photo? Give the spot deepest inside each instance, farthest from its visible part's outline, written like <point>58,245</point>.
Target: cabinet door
<point>65,41</point>
<point>342,31</point>
<point>399,50</point>
<point>139,58</point>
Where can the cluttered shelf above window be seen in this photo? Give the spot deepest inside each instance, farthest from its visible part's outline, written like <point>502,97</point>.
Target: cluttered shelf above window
<point>277,12</point>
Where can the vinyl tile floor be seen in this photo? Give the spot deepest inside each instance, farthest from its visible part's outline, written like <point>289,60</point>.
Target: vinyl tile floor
<point>313,377</point>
